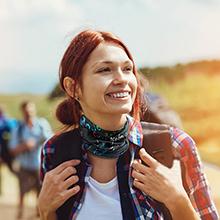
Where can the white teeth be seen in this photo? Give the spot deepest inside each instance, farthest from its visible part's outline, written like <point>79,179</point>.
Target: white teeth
<point>119,95</point>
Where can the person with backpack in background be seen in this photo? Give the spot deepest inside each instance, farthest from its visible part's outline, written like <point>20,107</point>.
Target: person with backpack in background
<point>155,107</point>
<point>6,126</point>
<point>25,145</point>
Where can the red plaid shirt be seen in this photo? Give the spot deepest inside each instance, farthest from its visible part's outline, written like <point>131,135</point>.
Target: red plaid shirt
<point>195,182</point>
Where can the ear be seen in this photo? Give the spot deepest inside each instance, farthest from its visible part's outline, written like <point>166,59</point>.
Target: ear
<point>78,93</point>
<point>69,85</point>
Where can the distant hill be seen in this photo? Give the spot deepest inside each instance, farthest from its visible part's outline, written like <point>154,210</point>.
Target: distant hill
<point>178,71</point>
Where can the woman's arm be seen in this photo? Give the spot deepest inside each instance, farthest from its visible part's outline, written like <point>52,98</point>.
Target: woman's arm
<point>55,189</point>
<point>156,180</point>
<point>193,177</point>
<point>48,216</point>
<point>181,208</point>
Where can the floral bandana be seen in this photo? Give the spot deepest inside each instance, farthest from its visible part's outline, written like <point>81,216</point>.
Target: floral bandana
<point>103,143</point>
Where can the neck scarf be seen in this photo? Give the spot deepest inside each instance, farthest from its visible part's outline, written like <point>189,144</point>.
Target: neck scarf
<point>103,143</point>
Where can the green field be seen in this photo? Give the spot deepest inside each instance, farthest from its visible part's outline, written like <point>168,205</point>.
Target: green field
<point>45,107</point>
<point>196,97</point>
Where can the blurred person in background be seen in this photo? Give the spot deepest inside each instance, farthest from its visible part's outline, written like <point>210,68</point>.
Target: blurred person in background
<point>7,124</point>
<point>25,146</point>
<point>156,108</point>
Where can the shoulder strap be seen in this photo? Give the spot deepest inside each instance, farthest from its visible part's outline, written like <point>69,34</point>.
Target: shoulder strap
<point>157,142</point>
<point>67,147</point>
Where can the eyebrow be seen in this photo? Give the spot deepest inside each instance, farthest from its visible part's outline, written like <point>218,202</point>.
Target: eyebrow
<point>110,62</point>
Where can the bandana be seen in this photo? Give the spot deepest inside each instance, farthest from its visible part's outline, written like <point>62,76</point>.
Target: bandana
<point>103,143</point>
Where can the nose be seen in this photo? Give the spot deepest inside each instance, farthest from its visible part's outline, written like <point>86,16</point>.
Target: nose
<point>120,77</point>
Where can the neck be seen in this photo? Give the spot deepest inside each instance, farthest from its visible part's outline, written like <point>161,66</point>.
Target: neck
<point>103,170</point>
<point>108,122</point>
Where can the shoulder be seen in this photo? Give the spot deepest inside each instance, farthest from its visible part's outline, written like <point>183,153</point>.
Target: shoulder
<point>42,122</point>
<point>18,127</point>
<point>180,139</point>
<point>60,139</point>
<point>59,148</point>
<point>185,146</point>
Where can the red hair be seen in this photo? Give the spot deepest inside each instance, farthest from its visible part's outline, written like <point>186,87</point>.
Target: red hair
<point>68,112</point>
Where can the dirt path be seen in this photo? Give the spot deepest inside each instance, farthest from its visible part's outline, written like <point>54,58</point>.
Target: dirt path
<point>8,198</point>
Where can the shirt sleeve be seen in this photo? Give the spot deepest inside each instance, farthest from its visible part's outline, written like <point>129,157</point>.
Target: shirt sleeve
<point>14,139</point>
<point>46,128</point>
<point>194,179</point>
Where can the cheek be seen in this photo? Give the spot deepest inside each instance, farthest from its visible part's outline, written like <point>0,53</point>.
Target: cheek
<point>93,92</point>
<point>133,83</point>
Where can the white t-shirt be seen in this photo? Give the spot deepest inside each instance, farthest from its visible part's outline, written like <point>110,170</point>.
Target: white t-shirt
<point>102,201</point>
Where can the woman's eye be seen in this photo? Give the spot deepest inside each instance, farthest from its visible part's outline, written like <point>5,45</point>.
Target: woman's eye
<point>128,68</point>
<point>106,69</point>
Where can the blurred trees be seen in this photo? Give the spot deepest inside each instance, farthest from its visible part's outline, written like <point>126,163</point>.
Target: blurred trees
<point>56,92</point>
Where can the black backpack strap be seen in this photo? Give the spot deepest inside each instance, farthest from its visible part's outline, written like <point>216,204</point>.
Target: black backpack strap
<point>157,142</point>
<point>67,147</point>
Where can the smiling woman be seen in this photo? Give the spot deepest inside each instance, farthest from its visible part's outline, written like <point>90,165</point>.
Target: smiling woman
<point>108,88</point>
<point>95,169</point>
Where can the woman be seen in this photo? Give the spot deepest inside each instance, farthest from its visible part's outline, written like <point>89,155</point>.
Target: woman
<point>89,171</point>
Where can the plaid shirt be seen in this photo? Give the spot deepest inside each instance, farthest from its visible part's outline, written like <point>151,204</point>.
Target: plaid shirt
<point>144,206</point>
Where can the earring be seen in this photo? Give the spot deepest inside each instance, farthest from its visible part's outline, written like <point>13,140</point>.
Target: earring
<point>77,99</point>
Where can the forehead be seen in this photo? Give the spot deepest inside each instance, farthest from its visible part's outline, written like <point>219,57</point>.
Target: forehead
<point>107,52</point>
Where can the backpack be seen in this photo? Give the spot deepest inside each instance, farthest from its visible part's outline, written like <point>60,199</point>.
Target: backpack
<point>159,111</point>
<point>156,141</point>
<point>5,155</point>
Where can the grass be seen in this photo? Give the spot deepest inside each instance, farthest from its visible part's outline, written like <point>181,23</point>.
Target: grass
<point>196,98</point>
<point>45,108</point>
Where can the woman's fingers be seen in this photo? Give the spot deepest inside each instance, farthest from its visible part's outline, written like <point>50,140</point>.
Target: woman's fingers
<point>139,176</point>
<point>66,194</point>
<point>140,167</point>
<point>57,185</point>
<point>147,159</point>
<point>68,171</point>
<point>139,185</point>
<point>64,165</point>
<point>71,192</point>
<point>70,181</point>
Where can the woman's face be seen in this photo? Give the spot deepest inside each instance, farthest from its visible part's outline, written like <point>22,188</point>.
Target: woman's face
<point>108,82</point>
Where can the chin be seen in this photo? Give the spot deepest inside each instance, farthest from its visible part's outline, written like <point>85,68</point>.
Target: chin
<point>123,110</point>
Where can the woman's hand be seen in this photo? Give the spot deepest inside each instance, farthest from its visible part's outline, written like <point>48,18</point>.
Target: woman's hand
<point>156,180</point>
<point>55,186</point>
<point>164,185</point>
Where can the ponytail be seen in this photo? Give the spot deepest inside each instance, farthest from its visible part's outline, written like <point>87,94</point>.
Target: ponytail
<point>68,112</point>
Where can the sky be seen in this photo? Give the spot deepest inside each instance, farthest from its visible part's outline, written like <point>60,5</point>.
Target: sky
<point>35,33</point>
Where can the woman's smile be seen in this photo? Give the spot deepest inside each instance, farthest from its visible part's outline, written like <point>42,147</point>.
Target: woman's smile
<point>119,96</point>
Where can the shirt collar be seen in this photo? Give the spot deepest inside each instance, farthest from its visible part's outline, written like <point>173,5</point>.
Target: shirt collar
<point>135,134</point>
